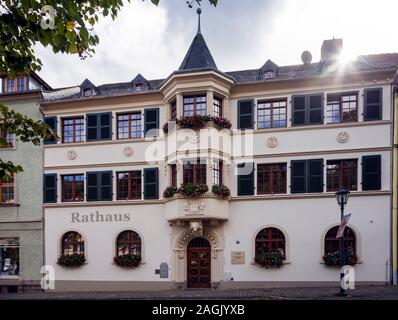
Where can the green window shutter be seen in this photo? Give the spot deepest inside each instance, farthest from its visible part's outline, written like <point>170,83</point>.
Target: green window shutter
<point>298,176</point>
<point>92,186</point>
<point>315,175</point>
<point>50,188</point>
<point>315,109</point>
<point>371,173</point>
<point>151,122</point>
<point>299,110</point>
<point>151,183</point>
<point>99,126</point>
<point>106,192</point>
<point>373,104</point>
<point>246,179</point>
<point>246,114</point>
<point>52,123</point>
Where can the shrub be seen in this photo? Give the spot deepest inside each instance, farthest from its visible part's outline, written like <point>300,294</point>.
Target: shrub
<point>128,260</point>
<point>193,189</point>
<point>71,260</point>
<point>221,190</point>
<point>268,259</point>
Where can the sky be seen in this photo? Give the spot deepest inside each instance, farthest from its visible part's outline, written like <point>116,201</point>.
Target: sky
<point>241,34</point>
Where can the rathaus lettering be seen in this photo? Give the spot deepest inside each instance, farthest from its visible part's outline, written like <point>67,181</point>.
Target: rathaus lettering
<point>98,217</point>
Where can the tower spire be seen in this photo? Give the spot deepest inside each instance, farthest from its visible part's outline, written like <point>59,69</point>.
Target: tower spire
<point>199,12</point>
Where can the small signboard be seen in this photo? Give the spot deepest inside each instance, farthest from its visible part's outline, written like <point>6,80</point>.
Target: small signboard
<point>237,257</point>
<point>164,270</point>
<point>343,224</point>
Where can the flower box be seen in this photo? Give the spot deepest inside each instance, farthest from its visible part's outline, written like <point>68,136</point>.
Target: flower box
<point>71,260</point>
<point>270,259</point>
<point>221,190</point>
<point>128,260</point>
<point>333,259</point>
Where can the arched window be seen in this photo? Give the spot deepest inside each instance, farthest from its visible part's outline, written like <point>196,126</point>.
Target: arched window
<point>72,242</point>
<point>128,242</point>
<point>333,245</point>
<point>270,240</point>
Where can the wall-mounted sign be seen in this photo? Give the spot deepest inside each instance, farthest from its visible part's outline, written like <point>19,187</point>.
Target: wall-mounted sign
<point>164,270</point>
<point>237,257</point>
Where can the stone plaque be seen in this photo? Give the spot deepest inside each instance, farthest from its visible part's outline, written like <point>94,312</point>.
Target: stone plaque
<point>164,270</point>
<point>237,257</point>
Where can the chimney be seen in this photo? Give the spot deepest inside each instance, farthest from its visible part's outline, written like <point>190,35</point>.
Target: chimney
<point>331,49</point>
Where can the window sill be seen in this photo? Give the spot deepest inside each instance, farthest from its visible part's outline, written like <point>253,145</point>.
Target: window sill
<point>9,148</point>
<point>284,262</point>
<point>5,205</point>
<point>360,261</point>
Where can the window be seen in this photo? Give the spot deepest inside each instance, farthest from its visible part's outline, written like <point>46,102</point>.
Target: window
<point>246,114</point>
<point>88,92</point>
<point>217,107</point>
<point>270,240</point>
<point>173,175</point>
<point>307,176</point>
<point>342,108</point>
<point>271,178</point>
<point>194,105</point>
<point>173,110</point>
<point>268,74</point>
<point>129,185</point>
<point>72,243</point>
<point>73,130</point>
<point>72,188</point>
<point>342,174</point>
<point>129,125</point>
<point>7,190</point>
<point>99,126</point>
<point>15,85</point>
<point>332,244</point>
<point>307,110</point>
<point>7,139</point>
<point>271,114</point>
<point>373,104</point>
<point>194,172</point>
<point>9,256</point>
<point>128,242</point>
<point>217,173</point>
<point>139,87</point>
<point>99,186</point>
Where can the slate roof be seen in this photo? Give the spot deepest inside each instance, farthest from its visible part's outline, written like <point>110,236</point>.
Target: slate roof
<point>198,56</point>
<point>365,63</point>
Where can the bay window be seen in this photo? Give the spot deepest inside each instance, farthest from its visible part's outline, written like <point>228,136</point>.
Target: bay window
<point>194,105</point>
<point>194,172</point>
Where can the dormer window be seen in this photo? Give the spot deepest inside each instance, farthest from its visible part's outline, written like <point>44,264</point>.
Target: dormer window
<point>139,87</point>
<point>269,74</point>
<point>87,92</point>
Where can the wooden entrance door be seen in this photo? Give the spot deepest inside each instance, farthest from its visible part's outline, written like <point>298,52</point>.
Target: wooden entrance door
<point>199,263</point>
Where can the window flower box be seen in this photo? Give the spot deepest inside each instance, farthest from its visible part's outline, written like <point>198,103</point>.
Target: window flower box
<point>170,192</point>
<point>221,190</point>
<point>333,259</point>
<point>71,260</point>
<point>196,122</point>
<point>128,260</point>
<point>270,259</point>
<point>192,189</point>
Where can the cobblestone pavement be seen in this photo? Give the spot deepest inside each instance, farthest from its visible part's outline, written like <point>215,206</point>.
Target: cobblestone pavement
<point>324,293</point>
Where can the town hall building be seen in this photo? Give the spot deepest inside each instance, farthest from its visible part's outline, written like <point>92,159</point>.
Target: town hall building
<point>213,179</point>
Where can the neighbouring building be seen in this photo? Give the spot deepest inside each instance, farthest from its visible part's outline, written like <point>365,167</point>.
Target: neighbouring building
<point>118,185</point>
<point>21,198</point>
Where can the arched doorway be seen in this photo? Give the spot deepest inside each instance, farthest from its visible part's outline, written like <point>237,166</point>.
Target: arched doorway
<point>199,263</point>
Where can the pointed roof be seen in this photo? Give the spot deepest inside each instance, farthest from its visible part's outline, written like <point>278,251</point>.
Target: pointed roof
<point>139,79</point>
<point>198,55</point>
<point>87,84</point>
<point>269,66</point>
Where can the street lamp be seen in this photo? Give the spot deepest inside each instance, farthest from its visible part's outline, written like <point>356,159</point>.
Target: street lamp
<point>342,199</point>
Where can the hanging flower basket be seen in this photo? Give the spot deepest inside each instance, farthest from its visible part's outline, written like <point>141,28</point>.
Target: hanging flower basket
<point>221,190</point>
<point>270,259</point>
<point>193,189</point>
<point>128,260</point>
<point>71,260</point>
<point>333,259</point>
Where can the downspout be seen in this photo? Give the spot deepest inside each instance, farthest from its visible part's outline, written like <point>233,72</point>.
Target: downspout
<point>394,224</point>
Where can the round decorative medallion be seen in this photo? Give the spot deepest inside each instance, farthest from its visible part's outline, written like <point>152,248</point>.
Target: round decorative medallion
<point>194,139</point>
<point>128,151</point>
<point>343,137</point>
<point>71,154</point>
<point>272,142</point>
